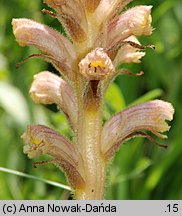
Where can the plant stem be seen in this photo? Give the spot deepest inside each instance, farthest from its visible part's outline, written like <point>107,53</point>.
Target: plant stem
<point>89,133</point>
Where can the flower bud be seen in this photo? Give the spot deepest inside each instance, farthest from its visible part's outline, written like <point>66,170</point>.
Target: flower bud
<point>96,65</point>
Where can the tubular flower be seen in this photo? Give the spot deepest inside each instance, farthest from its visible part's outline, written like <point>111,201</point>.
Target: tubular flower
<point>100,37</point>
<point>40,140</point>
<point>126,124</point>
<point>96,65</point>
<point>48,88</point>
<point>136,21</point>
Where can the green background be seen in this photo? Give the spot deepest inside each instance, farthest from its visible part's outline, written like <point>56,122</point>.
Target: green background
<point>140,169</point>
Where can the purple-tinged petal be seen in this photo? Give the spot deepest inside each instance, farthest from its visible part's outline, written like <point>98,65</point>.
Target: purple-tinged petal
<point>108,9</point>
<point>135,21</point>
<point>150,116</point>
<point>41,140</point>
<point>49,41</point>
<point>48,88</point>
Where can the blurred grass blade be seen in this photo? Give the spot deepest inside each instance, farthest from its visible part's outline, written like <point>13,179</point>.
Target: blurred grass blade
<point>14,172</point>
<point>162,9</point>
<point>141,166</point>
<point>147,97</point>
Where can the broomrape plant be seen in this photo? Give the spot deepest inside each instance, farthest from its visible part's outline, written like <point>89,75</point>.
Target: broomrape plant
<point>99,39</point>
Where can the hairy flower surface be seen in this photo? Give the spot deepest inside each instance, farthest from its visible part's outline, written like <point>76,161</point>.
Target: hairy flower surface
<point>40,140</point>
<point>48,88</point>
<point>96,65</point>
<point>101,36</point>
<point>124,125</point>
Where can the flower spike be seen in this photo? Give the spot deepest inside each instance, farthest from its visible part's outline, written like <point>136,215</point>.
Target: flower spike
<point>101,37</point>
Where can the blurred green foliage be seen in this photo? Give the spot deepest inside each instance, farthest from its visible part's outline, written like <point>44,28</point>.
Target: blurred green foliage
<point>140,170</point>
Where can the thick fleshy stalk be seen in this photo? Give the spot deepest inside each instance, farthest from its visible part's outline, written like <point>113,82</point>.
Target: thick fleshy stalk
<point>89,144</point>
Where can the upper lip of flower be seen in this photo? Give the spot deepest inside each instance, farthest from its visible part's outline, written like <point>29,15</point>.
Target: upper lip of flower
<point>150,116</point>
<point>59,49</point>
<point>48,88</point>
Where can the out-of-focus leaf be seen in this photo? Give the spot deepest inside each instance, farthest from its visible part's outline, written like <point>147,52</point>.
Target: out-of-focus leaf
<point>141,166</point>
<point>3,67</point>
<point>13,102</point>
<point>147,97</point>
<point>114,100</point>
<point>162,9</point>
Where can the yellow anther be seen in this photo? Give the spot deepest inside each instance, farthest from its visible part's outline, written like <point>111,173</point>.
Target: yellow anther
<point>97,63</point>
<point>35,141</point>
